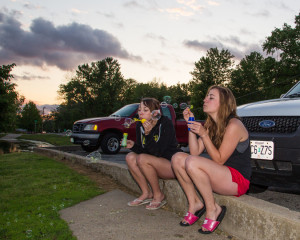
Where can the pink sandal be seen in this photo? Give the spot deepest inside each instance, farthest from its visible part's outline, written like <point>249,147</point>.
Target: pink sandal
<point>211,225</point>
<point>191,218</point>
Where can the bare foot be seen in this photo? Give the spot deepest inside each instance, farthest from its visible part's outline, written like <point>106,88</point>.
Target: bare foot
<point>146,196</point>
<point>158,197</point>
<point>197,206</point>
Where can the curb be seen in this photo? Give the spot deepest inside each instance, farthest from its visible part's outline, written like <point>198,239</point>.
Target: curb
<point>247,217</point>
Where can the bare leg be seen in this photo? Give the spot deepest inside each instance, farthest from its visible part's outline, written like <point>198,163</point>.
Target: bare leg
<point>154,168</point>
<point>131,160</point>
<point>209,176</point>
<point>178,164</point>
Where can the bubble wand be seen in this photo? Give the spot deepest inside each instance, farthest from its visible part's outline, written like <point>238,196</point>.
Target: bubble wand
<point>140,120</point>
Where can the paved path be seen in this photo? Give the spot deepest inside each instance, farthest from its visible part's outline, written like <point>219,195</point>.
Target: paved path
<point>107,216</point>
<point>11,137</point>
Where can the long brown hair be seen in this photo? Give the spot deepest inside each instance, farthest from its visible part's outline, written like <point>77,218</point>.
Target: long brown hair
<point>227,110</point>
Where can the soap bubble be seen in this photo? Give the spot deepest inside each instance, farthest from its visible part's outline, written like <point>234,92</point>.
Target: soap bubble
<point>93,157</point>
<point>164,104</point>
<point>183,106</point>
<point>167,99</point>
<point>86,142</point>
<point>155,115</point>
<point>69,132</point>
<point>128,122</point>
<point>117,117</point>
<point>175,105</point>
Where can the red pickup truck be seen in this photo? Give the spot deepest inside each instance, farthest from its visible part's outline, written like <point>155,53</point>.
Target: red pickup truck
<point>106,132</point>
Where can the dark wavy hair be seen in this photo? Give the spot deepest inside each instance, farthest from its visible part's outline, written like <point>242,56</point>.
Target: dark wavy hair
<point>151,103</point>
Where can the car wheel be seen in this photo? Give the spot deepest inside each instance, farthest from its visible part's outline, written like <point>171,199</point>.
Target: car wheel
<point>110,143</point>
<point>89,148</point>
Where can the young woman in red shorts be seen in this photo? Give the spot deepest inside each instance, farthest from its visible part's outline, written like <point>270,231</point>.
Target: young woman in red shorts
<point>227,172</point>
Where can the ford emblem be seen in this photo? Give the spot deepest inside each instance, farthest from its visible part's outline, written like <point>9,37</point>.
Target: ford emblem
<point>266,124</point>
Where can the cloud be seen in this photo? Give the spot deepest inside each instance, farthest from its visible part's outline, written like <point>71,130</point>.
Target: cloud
<point>145,5</point>
<point>213,3</point>
<point>29,76</point>
<point>64,46</point>
<point>191,4</point>
<point>31,6</point>
<point>77,11</point>
<point>232,44</point>
<point>263,13</point>
<point>178,12</point>
<point>155,37</point>
<point>133,4</point>
<point>186,8</point>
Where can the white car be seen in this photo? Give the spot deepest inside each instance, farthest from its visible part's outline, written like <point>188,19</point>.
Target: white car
<point>274,131</point>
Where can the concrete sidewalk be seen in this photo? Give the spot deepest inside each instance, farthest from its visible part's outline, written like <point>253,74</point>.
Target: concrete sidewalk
<point>107,216</point>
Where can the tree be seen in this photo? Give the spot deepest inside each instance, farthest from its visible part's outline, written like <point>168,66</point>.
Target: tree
<point>154,89</point>
<point>248,79</point>
<point>180,93</point>
<point>285,42</point>
<point>95,90</point>
<point>30,118</point>
<point>10,101</point>
<point>213,69</point>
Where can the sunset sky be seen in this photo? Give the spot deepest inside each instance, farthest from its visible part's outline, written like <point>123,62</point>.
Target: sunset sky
<point>151,39</point>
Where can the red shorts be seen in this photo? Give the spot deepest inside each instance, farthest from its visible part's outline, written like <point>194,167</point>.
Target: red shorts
<point>243,183</point>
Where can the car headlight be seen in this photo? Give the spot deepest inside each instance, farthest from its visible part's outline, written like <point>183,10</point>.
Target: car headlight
<point>91,127</point>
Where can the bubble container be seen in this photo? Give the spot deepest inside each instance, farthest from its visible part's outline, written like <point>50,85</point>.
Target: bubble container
<point>124,140</point>
<point>191,119</point>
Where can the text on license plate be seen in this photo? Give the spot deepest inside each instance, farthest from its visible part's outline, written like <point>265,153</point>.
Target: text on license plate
<point>262,149</point>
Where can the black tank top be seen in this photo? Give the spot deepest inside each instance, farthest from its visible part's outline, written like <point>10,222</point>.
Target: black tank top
<point>240,159</point>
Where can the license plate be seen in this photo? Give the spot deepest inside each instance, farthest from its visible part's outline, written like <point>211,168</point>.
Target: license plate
<point>72,140</point>
<point>262,149</point>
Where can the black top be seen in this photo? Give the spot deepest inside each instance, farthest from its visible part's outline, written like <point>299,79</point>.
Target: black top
<point>240,159</point>
<point>160,142</point>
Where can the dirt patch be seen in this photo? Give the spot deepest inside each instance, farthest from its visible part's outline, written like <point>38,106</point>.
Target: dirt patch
<point>105,182</point>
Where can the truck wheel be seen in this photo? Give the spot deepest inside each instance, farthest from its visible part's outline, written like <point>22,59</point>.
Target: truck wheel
<point>89,148</point>
<point>110,143</point>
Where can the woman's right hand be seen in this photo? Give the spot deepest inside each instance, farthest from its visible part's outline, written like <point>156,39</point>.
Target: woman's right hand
<point>130,144</point>
<point>187,114</point>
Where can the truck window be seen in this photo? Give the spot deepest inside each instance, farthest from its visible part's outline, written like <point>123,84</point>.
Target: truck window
<point>166,112</point>
<point>125,111</point>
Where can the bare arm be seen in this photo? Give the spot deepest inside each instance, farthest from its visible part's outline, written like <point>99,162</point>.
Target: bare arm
<point>235,132</point>
<point>196,146</point>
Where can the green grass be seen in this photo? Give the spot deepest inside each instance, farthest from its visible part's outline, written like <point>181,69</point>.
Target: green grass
<point>33,189</point>
<point>54,139</point>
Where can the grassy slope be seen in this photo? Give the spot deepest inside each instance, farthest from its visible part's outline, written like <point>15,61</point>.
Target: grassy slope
<point>33,189</point>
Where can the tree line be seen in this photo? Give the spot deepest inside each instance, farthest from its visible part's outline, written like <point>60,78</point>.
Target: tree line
<point>99,88</point>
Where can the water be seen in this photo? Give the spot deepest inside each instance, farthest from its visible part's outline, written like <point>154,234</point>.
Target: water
<point>20,146</point>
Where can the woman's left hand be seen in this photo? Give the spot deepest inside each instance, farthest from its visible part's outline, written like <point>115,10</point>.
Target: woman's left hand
<point>197,128</point>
